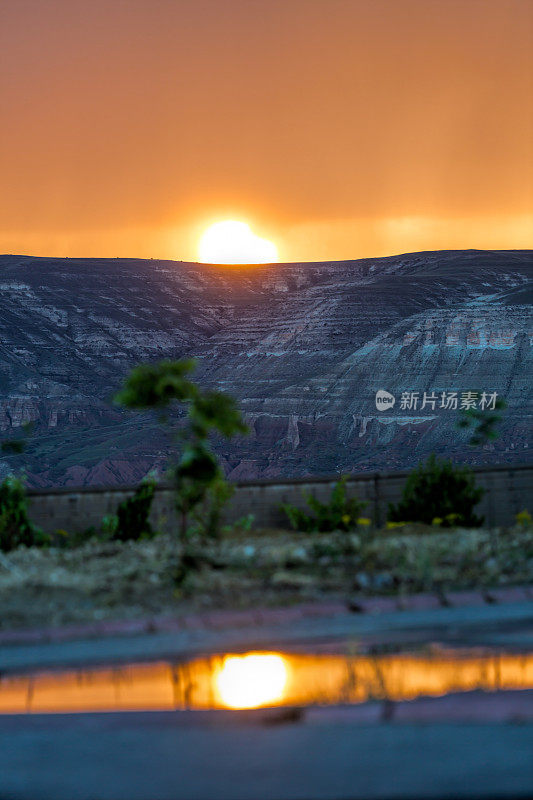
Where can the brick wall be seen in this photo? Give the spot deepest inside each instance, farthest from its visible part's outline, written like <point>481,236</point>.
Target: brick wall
<point>509,490</point>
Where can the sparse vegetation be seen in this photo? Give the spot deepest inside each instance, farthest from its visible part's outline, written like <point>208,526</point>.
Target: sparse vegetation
<point>437,490</point>
<point>214,565</point>
<point>113,579</point>
<point>339,514</point>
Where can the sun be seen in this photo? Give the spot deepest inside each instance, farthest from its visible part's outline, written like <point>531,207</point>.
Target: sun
<point>233,242</point>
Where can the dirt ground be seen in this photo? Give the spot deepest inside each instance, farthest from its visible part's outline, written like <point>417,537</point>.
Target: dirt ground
<point>114,580</point>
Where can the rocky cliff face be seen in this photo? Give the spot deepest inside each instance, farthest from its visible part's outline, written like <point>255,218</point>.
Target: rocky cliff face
<point>304,348</point>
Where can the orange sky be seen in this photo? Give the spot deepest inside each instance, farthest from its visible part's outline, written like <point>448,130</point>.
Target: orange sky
<point>336,128</point>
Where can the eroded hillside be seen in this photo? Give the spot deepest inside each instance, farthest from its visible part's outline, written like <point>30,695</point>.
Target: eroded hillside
<point>304,348</point>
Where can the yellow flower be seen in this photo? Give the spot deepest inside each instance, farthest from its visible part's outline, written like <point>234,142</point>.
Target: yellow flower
<point>524,518</point>
<point>436,521</point>
<point>346,518</point>
<point>363,521</point>
<point>395,524</point>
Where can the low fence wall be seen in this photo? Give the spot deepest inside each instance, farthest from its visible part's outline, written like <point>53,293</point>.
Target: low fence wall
<point>508,491</point>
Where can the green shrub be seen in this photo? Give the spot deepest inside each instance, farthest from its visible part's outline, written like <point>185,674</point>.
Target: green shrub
<point>438,490</point>
<point>338,514</point>
<point>131,521</point>
<point>15,527</point>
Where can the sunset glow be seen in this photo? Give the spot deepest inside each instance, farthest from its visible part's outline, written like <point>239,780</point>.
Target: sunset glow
<point>232,242</point>
<point>342,129</point>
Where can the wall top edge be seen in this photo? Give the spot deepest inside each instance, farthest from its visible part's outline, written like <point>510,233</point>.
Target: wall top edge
<point>361,477</point>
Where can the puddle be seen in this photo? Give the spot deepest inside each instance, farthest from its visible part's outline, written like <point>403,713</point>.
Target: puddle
<point>265,679</point>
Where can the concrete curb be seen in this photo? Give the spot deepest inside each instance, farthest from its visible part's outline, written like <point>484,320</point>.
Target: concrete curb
<point>231,619</point>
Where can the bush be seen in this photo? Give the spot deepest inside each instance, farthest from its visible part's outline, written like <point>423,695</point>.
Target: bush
<point>15,527</point>
<point>438,490</point>
<point>131,521</point>
<point>339,514</point>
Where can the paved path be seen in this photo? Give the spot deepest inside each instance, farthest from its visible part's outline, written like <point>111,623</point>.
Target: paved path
<point>158,757</point>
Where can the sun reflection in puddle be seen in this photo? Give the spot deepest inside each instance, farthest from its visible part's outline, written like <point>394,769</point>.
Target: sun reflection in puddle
<point>252,680</point>
<point>262,679</point>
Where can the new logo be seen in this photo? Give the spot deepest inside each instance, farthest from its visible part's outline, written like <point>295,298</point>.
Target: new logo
<point>384,400</point>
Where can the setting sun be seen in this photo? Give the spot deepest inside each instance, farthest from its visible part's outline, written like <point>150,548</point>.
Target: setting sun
<point>233,242</point>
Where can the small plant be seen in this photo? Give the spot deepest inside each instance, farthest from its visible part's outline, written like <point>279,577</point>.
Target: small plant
<point>483,423</point>
<point>208,515</point>
<point>339,514</point>
<point>131,520</point>
<point>109,525</point>
<point>163,385</point>
<point>15,526</point>
<point>243,525</point>
<point>438,490</point>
